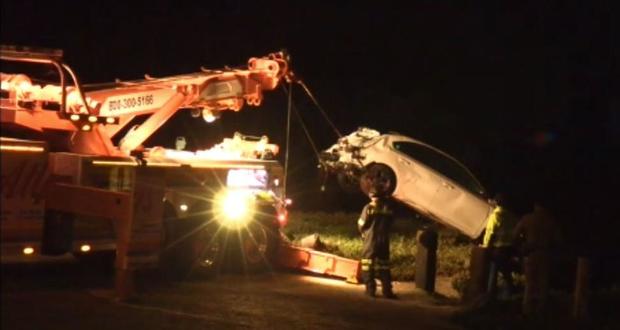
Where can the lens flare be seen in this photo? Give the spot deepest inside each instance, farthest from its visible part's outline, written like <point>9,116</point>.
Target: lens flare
<point>234,207</point>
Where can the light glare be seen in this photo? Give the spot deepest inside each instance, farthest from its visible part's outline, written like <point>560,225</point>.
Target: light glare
<point>235,207</point>
<point>208,116</point>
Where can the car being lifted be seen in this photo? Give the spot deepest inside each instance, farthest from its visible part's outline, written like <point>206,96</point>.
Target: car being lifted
<point>413,172</point>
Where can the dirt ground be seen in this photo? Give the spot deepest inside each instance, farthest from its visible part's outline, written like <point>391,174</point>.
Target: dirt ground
<point>74,296</point>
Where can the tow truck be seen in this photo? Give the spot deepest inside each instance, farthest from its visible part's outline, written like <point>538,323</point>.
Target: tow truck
<point>68,188</point>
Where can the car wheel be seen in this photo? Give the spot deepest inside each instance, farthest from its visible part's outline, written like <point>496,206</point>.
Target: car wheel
<point>379,176</point>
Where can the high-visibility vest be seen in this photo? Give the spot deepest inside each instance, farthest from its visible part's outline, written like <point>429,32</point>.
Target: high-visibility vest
<point>500,227</point>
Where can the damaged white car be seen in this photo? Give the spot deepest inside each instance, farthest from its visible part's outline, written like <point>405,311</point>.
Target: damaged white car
<point>415,173</point>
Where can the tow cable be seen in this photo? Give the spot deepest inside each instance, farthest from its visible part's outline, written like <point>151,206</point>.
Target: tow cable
<point>290,108</point>
<point>288,134</point>
<point>316,103</point>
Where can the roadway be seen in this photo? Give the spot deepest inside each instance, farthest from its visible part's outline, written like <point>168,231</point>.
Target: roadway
<point>70,295</point>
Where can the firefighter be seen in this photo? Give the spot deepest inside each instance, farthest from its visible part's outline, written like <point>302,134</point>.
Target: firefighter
<point>374,225</point>
<point>498,239</point>
<point>536,234</point>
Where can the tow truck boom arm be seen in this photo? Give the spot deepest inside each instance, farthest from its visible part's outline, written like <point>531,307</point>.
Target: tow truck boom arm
<point>208,91</point>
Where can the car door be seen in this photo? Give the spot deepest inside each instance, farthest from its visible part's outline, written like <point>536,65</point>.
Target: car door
<point>417,184</point>
<point>456,201</point>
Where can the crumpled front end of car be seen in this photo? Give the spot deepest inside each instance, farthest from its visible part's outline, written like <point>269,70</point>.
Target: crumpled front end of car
<point>348,151</point>
<point>346,159</point>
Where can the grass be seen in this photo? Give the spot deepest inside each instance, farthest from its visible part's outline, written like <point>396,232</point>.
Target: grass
<point>338,231</point>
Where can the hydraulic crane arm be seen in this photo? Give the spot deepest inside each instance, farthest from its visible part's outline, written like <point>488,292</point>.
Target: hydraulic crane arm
<point>100,114</point>
<point>208,92</point>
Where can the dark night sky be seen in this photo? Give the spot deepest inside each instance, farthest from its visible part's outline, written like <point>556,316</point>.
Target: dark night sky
<point>520,91</point>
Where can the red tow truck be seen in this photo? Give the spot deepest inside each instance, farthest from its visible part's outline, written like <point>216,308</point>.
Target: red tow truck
<point>68,188</point>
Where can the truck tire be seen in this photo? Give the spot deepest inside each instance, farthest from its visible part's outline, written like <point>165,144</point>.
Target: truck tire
<point>187,246</point>
<point>250,249</point>
<point>260,243</point>
<point>381,177</point>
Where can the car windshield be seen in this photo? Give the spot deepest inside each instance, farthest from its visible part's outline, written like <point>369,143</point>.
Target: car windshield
<point>446,166</point>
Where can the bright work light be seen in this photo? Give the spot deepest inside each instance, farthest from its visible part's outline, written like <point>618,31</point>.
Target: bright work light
<point>234,208</point>
<point>210,116</point>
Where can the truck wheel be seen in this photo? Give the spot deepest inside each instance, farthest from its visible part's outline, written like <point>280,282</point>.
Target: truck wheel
<point>259,245</point>
<point>249,250</point>
<point>187,247</point>
<point>380,176</point>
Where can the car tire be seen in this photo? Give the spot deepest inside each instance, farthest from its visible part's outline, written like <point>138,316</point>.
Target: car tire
<point>380,176</point>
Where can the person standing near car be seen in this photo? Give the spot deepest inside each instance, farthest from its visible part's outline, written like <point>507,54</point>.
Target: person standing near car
<point>374,226</point>
<point>498,239</point>
<point>536,234</point>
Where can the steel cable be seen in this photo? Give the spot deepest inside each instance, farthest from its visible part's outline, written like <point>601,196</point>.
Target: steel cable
<point>304,127</point>
<point>316,103</point>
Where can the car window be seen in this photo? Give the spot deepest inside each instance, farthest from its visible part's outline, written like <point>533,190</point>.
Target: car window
<point>440,163</point>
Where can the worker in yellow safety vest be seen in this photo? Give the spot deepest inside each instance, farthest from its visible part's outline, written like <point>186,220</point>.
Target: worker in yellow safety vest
<point>374,225</point>
<point>498,239</point>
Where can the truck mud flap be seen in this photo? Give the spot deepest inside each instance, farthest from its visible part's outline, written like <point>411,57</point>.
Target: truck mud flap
<point>294,257</point>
